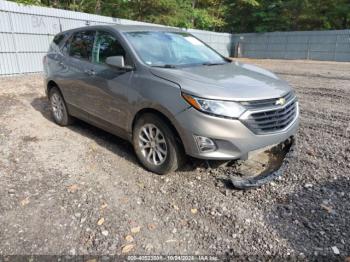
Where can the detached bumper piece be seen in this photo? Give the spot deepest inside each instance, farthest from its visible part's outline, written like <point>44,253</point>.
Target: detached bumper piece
<point>283,151</point>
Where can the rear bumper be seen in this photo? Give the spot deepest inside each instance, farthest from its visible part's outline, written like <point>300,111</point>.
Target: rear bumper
<point>45,83</point>
<point>232,138</point>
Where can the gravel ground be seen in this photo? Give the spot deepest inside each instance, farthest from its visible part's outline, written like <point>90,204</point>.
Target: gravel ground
<point>80,190</point>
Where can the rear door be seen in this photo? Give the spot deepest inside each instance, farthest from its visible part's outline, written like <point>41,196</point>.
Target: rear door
<point>53,60</point>
<point>110,84</point>
<point>79,69</point>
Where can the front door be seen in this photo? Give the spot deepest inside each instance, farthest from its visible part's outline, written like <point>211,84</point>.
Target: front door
<point>109,84</point>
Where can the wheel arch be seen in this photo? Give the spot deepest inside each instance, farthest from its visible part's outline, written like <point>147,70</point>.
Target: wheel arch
<point>163,116</point>
<point>51,84</point>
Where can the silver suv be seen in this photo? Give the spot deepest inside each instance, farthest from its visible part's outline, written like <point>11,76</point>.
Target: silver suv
<point>168,93</point>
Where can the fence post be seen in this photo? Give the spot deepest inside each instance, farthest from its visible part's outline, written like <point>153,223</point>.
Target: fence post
<point>48,39</point>
<point>308,47</point>
<point>335,47</point>
<point>286,47</point>
<point>267,46</point>
<point>59,22</point>
<point>14,42</point>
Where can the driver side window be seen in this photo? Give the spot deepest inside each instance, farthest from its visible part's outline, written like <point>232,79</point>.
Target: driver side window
<point>107,45</point>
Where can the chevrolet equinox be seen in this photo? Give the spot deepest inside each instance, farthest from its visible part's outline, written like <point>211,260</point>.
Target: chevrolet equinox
<point>168,93</point>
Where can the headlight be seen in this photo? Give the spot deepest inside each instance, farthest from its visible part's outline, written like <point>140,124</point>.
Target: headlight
<point>215,107</point>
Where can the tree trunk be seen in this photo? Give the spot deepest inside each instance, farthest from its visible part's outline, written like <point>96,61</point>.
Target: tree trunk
<point>98,7</point>
<point>193,7</point>
<point>345,22</point>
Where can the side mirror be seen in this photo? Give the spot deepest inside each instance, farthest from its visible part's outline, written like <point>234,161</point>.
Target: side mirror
<point>117,61</point>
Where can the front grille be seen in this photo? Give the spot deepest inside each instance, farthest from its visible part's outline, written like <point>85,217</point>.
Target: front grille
<point>267,102</point>
<point>274,120</point>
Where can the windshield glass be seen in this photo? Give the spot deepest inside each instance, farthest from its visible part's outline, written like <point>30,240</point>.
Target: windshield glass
<point>169,49</point>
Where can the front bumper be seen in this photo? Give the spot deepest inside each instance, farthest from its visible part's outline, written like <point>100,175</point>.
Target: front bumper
<point>232,138</point>
<point>285,156</point>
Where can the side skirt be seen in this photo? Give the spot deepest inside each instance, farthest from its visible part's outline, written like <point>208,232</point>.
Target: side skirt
<point>98,122</point>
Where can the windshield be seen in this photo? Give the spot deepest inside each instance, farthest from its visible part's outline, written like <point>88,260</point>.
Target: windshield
<point>170,49</point>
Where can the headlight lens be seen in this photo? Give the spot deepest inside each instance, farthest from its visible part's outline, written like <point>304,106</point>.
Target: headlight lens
<point>215,107</point>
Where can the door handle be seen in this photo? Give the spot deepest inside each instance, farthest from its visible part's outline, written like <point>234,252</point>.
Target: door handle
<point>62,64</point>
<point>90,72</point>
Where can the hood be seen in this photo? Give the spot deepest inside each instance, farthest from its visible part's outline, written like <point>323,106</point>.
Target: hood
<point>232,81</point>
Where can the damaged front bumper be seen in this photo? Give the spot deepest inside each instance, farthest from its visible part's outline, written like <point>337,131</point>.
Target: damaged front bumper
<point>283,152</point>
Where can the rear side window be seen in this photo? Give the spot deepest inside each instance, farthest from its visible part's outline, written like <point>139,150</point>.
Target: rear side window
<point>58,39</point>
<point>57,42</point>
<point>81,45</point>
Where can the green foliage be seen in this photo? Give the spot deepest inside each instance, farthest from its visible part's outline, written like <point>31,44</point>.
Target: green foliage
<point>287,15</point>
<point>29,2</point>
<point>219,15</point>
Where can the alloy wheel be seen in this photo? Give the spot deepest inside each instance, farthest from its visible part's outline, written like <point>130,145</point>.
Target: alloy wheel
<point>152,144</point>
<point>57,106</point>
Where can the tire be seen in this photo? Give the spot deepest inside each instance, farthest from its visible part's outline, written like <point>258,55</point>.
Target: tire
<point>58,108</point>
<point>163,140</point>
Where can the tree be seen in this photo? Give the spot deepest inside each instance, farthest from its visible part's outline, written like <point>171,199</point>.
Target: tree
<point>219,15</point>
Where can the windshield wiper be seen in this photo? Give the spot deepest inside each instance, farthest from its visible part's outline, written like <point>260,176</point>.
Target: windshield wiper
<point>165,66</point>
<point>212,64</point>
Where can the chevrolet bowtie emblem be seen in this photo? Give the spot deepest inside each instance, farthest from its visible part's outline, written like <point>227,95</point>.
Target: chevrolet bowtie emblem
<point>280,102</point>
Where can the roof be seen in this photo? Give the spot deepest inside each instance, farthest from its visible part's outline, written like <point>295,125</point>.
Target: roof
<point>133,28</point>
<point>129,28</point>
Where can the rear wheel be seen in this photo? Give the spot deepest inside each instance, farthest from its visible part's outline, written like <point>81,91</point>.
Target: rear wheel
<point>58,108</point>
<point>156,145</point>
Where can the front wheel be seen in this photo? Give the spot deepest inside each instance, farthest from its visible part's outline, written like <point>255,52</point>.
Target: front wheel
<point>156,145</point>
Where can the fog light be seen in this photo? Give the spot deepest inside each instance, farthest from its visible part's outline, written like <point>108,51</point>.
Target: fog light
<point>205,144</point>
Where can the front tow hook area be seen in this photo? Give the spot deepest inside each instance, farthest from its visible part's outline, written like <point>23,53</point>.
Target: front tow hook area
<point>279,158</point>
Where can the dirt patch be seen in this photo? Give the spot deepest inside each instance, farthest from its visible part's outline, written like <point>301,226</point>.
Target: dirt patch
<point>58,184</point>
